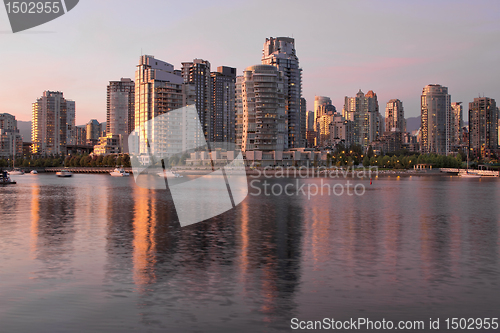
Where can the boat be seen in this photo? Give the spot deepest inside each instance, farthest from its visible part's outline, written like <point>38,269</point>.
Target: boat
<point>5,179</point>
<point>468,174</point>
<point>34,172</point>
<point>16,172</point>
<point>169,174</point>
<point>119,172</point>
<point>64,173</point>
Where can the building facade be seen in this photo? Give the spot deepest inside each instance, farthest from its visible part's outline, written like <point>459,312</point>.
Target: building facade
<point>158,90</point>
<point>436,129</point>
<point>483,125</point>
<point>49,124</point>
<point>223,118</point>
<point>363,111</point>
<point>93,131</point>
<point>280,52</point>
<point>70,122</point>
<point>11,142</point>
<point>395,116</point>
<point>109,144</point>
<point>239,111</point>
<point>321,103</point>
<point>263,94</point>
<point>457,123</point>
<point>199,91</point>
<point>120,107</point>
<point>341,131</point>
<point>303,122</point>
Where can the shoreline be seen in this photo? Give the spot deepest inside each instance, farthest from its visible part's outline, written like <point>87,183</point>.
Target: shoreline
<point>314,172</point>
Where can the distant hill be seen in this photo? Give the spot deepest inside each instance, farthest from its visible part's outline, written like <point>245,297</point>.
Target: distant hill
<point>25,130</point>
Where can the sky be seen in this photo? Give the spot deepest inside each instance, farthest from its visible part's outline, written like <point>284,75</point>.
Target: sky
<point>394,48</point>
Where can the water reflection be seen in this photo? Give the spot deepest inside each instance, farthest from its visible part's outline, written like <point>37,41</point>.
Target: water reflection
<point>408,248</point>
<point>52,229</point>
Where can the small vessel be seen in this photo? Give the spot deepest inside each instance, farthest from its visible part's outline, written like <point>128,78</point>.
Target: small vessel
<point>64,173</point>
<point>119,172</point>
<point>468,174</point>
<point>5,179</point>
<point>34,172</point>
<point>16,172</point>
<point>169,174</point>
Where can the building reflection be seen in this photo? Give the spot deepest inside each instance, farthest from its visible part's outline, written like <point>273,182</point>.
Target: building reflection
<point>435,229</point>
<point>270,240</point>
<point>52,226</point>
<point>144,243</point>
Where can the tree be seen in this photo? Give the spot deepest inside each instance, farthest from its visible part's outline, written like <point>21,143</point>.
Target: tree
<point>386,161</point>
<point>126,161</point>
<point>370,152</point>
<point>366,161</point>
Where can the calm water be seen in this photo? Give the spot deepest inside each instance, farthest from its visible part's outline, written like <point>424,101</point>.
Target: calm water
<point>97,253</point>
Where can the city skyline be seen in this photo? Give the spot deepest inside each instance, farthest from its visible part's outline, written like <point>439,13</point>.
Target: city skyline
<point>437,47</point>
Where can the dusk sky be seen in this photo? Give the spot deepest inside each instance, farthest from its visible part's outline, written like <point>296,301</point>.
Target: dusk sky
<point>394,48</point>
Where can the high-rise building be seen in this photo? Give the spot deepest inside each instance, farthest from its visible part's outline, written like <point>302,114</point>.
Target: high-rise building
<point>280,52</point>
<point>48,126</point>
<point>199,91</point>
<point>120,108</point>
<point>341,131</point>
<point>310,120</point>
<point>94,131</point>
<point>436,129</point>
<point>223,116</point>
<point>70,122</point>
<point>239,111</point>
<point>11,142</point>
<point>303,122</point>
<point>310,132</point>
<point>483,125</point>
<point>321,103</point>
<point>81,135</point>
<point>395,116</point>
<point>363,111</point>
<point>457,123</point>
<point>263,92</point>
<point>158,90</point>
<point>323,116</point>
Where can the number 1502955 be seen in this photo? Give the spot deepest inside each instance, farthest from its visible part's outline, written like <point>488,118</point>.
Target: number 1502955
<point>31,7</point>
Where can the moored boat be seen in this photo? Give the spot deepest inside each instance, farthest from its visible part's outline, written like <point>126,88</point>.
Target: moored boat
<point>119,172</point>
<point>5,179</point>
<point>64,173</point>
<point>468,174</point>
<point>16,172</point>
<point>169,174</point>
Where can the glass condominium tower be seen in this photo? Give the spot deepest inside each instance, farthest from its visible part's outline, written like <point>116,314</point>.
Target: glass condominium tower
<point>280,52</point>
<point>436,126</point>
<point>264,120</point>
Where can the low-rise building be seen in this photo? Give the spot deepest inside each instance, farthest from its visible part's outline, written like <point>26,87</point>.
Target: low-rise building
<point>109,144</point>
